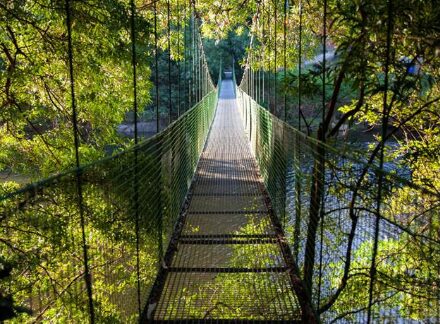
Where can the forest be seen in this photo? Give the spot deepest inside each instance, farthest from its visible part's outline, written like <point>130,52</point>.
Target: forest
<point>116,97</point>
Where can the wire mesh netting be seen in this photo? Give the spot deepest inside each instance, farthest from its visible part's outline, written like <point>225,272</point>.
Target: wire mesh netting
<point>41,227</point>
<point>325,198</point>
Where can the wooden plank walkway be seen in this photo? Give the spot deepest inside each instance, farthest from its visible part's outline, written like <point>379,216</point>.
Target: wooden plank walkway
<point>227,262</point>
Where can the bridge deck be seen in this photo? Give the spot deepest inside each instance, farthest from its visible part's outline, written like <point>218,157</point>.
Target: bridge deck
<point>228,263</point>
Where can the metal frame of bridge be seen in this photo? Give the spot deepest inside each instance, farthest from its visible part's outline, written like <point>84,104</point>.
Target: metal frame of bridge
<point>226,233</point>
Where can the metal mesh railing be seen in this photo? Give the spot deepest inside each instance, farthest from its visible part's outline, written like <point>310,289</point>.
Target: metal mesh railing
<point>130,201</point>
<point>325,197</point>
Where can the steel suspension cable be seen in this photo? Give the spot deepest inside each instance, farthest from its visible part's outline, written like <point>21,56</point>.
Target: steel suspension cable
<point>263,55</point>
<point>261,67</point>
<point>199,68</point>
<point>385,117</point>
<point>193,58</point>
<point>269,69</point>
<point>201,65</point>
<point>300,64</point>
<point>286,4</point>
<point>196,56</point>
<point>188,70</point>
<point>324,104</point>
<point>298,186</point>
<point>284,139</point>
<point>156,65</point>
<point>135,178</point>
<point>259,54</point>
<point>80,200</point>
<point>170,105</point>
<point>178,59</point>
<point>156,58</point>
<point>324,50</point>
<point>251,70</point>
<point>252,55</point>
<point>275,49</point>
<point>134,69</point>
<point>254,58</point>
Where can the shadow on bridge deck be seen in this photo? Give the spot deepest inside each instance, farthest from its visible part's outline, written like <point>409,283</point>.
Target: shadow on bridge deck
<point>227,263</point>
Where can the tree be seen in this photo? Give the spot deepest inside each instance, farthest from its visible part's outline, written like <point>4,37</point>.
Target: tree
<point>35,120</point>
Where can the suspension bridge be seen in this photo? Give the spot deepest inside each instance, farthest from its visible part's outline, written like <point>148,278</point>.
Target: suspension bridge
<point>229,214</point>
<point>228,235</point>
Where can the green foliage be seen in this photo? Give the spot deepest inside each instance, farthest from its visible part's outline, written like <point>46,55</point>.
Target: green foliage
<point>406,273</point>
<point>35,119</point>
<point>7,308</point>
<point>227,51</point>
